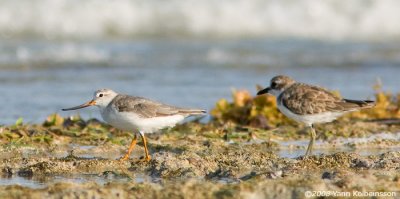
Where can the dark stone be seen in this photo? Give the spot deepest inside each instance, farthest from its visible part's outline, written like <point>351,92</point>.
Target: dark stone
<point>328,175</point>
<point>25,173</point>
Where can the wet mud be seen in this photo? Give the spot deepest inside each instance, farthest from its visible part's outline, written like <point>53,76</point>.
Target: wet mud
<point>80,159</point>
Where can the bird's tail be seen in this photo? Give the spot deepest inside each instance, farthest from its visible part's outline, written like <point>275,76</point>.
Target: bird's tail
<point>360,103</point>
<point>193,112</point>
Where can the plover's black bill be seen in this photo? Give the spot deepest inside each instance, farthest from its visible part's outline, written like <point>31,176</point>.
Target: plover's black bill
<point>90,103</point>
<point>263,91</point>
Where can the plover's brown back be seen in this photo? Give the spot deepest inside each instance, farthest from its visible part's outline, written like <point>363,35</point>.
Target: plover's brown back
<point>304,99</point>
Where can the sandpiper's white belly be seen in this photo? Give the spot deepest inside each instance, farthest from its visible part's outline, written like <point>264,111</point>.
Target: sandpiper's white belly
<point>310,119</point>
<point>130,121</point>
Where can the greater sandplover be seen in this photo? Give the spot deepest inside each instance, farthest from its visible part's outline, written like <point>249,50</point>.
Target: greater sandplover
<point>310,104</point>
<point>131,113</point>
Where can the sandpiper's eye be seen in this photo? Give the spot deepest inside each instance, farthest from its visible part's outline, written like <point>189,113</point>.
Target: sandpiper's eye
<point>273,84</point>
<point>101,95</point>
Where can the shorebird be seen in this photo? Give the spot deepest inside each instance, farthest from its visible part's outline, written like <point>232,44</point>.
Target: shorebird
<point>310,104</point>
<point>131,113</point>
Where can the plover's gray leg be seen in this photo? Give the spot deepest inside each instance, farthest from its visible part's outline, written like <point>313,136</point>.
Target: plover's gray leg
<point>147,157</point>
<point>131,147</point>
<point>312,140</point>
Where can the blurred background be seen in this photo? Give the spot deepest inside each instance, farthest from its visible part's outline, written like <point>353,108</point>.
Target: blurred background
<point>55,53</point>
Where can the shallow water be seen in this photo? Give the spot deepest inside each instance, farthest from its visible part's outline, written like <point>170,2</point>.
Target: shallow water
<point>295,153</point>
<point>38,182</point>
<point>297,148</point>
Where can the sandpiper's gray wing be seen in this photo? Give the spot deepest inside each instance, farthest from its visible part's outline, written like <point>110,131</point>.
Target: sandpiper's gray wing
<point>305,99</point>
<point>146,108</point>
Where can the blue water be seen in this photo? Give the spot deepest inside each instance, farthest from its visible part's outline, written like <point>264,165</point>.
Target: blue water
<point>55,54</point>
<point>39,77</point>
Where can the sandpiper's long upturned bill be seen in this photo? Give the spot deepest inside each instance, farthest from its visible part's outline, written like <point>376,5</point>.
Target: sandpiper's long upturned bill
<point>310,104</point>
<point>132,113</point>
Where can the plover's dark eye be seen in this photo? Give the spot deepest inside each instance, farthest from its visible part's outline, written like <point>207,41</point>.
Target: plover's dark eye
<point>101,95</point>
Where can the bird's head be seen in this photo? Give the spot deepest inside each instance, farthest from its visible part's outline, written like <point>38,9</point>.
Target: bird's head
<point>101,98</point>
<point>277,85</point>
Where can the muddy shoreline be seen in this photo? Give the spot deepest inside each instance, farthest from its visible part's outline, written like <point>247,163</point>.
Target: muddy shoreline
<point>195,160</point>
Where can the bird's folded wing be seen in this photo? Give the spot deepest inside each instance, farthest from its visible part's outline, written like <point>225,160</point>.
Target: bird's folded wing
<point>145,108</point>
<point>305,99</point>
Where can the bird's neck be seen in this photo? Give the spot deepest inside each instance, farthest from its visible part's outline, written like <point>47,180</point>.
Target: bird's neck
<point>276,93</point>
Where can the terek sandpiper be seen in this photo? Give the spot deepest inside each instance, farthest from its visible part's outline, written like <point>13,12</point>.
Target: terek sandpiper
<point>310,104</point>
<point>132,113</point>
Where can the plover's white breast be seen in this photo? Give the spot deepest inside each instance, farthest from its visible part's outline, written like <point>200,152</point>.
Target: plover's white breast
<point>309,119</point>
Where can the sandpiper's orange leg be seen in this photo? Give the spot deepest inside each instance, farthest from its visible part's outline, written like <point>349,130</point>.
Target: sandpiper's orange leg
<point>131,147</point>
<point>147,158</point>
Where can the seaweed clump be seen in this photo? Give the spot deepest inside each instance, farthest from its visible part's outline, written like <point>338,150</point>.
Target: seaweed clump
<point>62,130</point>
